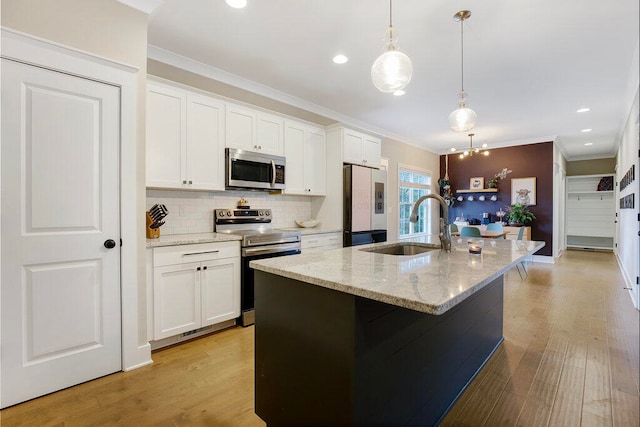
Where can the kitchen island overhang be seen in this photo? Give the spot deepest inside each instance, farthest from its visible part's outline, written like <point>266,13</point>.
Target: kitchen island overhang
<point>328,352</point>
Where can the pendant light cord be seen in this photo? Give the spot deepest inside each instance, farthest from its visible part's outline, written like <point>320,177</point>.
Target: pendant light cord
<point>462,53</point>
<point>390,14</point>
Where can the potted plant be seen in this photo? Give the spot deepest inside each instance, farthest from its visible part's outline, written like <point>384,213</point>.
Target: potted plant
<point>519,215</point>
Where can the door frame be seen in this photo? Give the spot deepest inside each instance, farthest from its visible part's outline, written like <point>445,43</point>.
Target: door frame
<point>22,47</point>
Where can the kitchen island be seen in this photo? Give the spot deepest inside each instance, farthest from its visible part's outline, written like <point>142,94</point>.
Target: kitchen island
<point>353,337</point>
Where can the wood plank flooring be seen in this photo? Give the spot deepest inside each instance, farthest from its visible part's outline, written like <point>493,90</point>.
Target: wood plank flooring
<point>570,358</point>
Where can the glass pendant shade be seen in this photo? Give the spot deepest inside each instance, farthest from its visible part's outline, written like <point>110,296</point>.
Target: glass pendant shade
<point>463,118</point>
<point>392,70</point>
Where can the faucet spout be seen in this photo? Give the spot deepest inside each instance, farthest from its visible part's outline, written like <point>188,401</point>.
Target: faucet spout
<point>445,236</point>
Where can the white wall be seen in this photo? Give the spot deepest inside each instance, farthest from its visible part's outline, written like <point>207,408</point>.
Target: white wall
<point>559,202</point>
<point>400,153</point>
<point>628,250</point>
<point>192,211</point>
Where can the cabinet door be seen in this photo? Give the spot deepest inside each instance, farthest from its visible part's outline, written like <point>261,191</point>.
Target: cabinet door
<point>371,152</point>
<point>315,162</point>
<point>220,287</point>
<point>352,147</point>
<point>269,134</point>
<point>176,299</point>
<point>205,146</point>
<point>241,128</point>
<point>294,141</point>
<point>166,137</point>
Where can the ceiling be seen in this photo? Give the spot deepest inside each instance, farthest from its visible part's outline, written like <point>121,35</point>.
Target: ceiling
<point>529,64</point>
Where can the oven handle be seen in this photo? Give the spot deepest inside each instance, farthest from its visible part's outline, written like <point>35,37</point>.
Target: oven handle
<point>257,241</point>
<point>248,252</point>
<point>200,253</point>
<point>273,173</point>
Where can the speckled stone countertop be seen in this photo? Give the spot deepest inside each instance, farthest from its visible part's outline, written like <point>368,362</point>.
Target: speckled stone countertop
<point>313,230</point>
<point>188,239</point>
<point>432,282</point>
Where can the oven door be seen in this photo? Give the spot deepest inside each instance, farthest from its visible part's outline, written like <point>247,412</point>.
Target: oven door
<point>248,170</point>
<point>247,315</point>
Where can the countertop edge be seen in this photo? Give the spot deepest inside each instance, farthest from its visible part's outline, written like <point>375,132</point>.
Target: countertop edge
<point>190,239</point>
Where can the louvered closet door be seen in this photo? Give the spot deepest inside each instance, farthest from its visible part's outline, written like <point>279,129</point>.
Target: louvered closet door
<point>60,205</point>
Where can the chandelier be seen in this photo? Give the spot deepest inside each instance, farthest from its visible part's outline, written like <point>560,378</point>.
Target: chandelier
<point>471,151</point>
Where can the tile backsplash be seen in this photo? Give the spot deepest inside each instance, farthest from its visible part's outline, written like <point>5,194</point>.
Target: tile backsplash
<point>192,211</point>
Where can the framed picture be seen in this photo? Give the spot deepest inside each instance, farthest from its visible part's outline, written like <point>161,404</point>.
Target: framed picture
<point>523,191</point>
<point>476,183</point>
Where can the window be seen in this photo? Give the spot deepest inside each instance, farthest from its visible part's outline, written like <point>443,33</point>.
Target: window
<point>413,184</point>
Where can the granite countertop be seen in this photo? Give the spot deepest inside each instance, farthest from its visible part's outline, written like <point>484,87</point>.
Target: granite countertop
<point>192,238</point>
<point>314,230</point>
<point>432,282</point>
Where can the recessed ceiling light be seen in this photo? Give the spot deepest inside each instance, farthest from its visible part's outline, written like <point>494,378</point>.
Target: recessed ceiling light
<point>588,143</point>
<point>238,4</point>
<point>453,150</point>
<point>340,59</point>
<point>399,92</point>
<point>586,130</point>
<point>583,110</point>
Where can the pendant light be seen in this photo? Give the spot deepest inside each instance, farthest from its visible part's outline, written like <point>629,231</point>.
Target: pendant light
<point>393,69</point>
<point>471,151</point>
<point>463,118</point>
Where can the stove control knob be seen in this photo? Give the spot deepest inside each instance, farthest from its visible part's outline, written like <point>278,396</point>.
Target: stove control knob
<point>228,213</point>
<point>220,213</point>
<point>260,213</point>
<point>267,213</point>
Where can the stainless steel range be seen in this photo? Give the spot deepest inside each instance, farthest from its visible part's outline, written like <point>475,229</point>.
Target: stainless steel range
<point>259,241</point>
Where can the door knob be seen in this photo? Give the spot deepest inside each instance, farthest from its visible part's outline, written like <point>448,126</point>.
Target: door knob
<point>109,243</point>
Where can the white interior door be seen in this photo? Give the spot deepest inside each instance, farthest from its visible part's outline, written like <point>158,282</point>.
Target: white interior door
<point>60,289</point>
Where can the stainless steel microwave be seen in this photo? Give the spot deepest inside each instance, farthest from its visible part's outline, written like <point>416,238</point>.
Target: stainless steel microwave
<point>255,171</point>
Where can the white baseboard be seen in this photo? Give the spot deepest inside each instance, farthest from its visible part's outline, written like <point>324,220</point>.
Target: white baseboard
<point>543,258</point>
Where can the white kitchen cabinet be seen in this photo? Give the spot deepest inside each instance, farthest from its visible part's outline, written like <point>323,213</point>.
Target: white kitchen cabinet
<point>305,150</point>
<point>359,148</point>
<point>321,241</point>
<point>194,286</point>
<point>253,130</point>
<point>185,134</point>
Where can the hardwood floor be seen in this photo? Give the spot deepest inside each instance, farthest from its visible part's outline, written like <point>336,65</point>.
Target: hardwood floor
<point>570,358</point>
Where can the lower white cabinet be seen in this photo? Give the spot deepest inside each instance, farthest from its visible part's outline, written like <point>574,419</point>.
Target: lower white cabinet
<point>194,286</point>
<point>321,242</point>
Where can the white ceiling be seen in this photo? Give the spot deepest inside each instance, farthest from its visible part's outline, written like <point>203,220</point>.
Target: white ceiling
<point>529,64</point>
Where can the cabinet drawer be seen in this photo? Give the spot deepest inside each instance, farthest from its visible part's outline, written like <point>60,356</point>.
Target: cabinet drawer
<point>327,241</point>
<point>169,255</point>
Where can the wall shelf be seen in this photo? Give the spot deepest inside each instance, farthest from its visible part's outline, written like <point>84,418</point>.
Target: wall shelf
<point>484,190</point>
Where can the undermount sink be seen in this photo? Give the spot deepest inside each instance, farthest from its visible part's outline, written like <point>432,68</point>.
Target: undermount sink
<point>408,248</point>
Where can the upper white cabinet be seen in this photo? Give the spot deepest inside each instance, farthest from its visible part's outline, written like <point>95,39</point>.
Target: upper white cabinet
<point>305,150</point>
<point>254,130</point>
<point>185,139</point>
<point>359,148</point>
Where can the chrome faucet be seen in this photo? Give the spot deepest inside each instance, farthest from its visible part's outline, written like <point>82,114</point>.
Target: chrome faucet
<point>445,236</point>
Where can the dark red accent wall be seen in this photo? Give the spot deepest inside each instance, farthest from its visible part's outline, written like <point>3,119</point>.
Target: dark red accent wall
<point>525,161</point>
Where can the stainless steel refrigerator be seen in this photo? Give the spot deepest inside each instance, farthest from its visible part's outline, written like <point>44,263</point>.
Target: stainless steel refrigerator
<point>365,209</point>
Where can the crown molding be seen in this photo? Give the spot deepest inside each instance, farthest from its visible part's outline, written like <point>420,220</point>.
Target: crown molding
<point>146,6</point>
<point>171,58</point>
